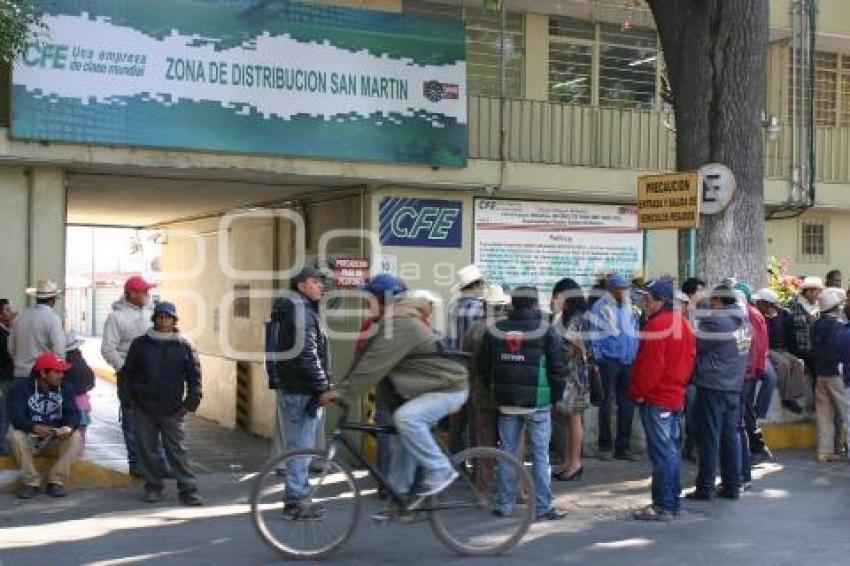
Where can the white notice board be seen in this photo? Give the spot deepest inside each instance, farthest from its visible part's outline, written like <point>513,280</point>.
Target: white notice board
<point>537,243</point>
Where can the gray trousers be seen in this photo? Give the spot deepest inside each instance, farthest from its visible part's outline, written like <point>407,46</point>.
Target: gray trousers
<point>149,428</point>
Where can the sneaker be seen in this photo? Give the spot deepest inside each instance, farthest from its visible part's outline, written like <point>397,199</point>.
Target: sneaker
<point>56,490</point>
<point>726,493</point>
<point>393,512</point>
<point>439,486</point>
<point>190,499</point>
<point>792,406</point>
<point>625,456</point>
<point>654,514</point>
<point>153,495</point>
<point>503,513</point>
<point>304,511</point>
<point>553,514</point>
<point>27,492</point>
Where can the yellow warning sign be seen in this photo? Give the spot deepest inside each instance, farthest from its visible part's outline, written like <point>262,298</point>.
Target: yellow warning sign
<point>668,201</point>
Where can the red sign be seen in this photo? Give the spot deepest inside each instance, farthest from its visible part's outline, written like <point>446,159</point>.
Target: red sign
<point>349,272</point>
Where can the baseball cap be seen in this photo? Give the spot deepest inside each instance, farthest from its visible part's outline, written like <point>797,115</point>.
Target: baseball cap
<point>660,289</point>
<point>48,361</point>
<point>307,272</point>
<point>766,295</point>
<point>383,285</point>
<point>616,281</point>
<point>165,307</point>
<point>138,284</point>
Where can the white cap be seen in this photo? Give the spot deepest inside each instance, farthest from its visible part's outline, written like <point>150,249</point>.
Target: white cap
<point>426,295</point>
<point>812,283</point>
<point>831,298</point>
<point>469,275</point>
<point>766,295</point>
<point>494,294</point>
<point>682,297</point>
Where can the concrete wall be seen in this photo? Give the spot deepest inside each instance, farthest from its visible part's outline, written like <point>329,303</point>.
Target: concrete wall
<point>32,215</point>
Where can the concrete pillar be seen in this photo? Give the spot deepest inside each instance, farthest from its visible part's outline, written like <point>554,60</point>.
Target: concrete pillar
<point>33,222</point>
<point>536,57</point>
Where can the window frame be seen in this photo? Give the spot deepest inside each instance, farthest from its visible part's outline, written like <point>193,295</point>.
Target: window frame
<point>802,255</point>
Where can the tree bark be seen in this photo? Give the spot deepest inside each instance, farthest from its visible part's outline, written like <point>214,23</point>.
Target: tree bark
<point>716,54</point>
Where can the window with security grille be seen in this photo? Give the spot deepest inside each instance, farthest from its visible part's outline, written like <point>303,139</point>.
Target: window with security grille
<point>813,245</point>
<point>483,42</point>
<point>571,60</point>
<point>628,60</point>
<point>826,88</point>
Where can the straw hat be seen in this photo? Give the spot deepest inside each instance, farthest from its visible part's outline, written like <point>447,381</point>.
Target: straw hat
<point>494,294</point>
<point>44,289</point>
<point>469,275</point>
<point>812,283</point>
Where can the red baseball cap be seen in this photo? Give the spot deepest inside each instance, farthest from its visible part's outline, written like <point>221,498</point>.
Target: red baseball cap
<point>138,284</point>
<point>49,360</point>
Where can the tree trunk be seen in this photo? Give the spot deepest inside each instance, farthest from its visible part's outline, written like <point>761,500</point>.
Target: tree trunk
<point>716,53</point>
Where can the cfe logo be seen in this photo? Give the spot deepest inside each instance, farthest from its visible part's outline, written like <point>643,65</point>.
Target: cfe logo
<point>421,222</point>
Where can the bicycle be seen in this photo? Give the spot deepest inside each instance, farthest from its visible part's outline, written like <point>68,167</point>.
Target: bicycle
<point>463,517</point>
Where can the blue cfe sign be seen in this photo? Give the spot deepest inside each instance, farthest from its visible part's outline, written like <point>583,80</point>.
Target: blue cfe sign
<point>421,222</point>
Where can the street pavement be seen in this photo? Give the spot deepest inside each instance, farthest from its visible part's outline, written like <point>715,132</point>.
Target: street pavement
<point>797,513</point>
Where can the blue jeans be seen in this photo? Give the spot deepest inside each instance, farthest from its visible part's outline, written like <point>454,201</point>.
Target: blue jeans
<point>663,433</point>
<point>127,415</point>
<point>766,383</point>
<point>299,434</point>
<point>510,437</point>
<point>615,381</point>
<point>717,415</point>
<point>415,444</point>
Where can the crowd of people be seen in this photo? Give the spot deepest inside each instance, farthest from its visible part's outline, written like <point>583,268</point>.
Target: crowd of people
<point>508,373</point>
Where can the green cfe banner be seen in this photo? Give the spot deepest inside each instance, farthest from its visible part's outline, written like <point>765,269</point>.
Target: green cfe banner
<point>249,76</point>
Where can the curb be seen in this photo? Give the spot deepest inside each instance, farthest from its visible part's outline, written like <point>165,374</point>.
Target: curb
<point>791,436</point>
<point>84,474</point>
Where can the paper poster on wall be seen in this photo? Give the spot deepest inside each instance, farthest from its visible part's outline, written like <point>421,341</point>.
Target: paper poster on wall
<point>537,243</point>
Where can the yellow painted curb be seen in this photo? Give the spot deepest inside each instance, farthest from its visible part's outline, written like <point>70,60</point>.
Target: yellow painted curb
<point>791,436</point>
<point>83,473</point>
<point>105,373</point>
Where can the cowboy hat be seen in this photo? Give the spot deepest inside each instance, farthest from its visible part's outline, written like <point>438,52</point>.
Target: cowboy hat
<point>812,283</point>
<point>44,289</point>
<point>469,275</point>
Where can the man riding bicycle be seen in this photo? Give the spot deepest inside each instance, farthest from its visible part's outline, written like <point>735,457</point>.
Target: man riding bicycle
<point>430,385</point>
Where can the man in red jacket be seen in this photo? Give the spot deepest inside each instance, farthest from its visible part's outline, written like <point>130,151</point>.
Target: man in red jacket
<point>662,370</point>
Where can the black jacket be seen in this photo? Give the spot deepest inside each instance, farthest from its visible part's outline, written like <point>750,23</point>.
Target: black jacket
<point>522,359</point>
<point>7,364</point>
<point>297,347</point>
<point>825,356</point>
<point>780,331</point>
<point>29,406</point>
<point>80,376</point>
<point>162,375</point>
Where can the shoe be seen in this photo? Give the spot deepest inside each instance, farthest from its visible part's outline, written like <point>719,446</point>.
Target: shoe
<point>153,495</point>
<point>654,514</point>
<point>626,456</point>
<point>56,490</point>
<point>318,467</point>
<point>190,499</point>
<point>27,492</point>
<point>564,476</point>
<point>304,511</point>
<point>698,496</point>
<point>726,493</point>
<point>828,458</point>
<point>793,406</point>
<point>393,512</point>
<point>603,455</point>
<point>499,512</point>
<point>553,514</point>
<point>746,486</point>
<point>441,486</point>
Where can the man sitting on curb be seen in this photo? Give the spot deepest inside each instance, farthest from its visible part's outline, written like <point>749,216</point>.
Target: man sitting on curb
<point>44,418</point>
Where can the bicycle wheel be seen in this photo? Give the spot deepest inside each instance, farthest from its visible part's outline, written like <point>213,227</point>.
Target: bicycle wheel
<point>321,522</point>
<point>463,516</point>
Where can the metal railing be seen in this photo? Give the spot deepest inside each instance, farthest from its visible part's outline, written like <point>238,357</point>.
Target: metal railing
<point>576,135</point>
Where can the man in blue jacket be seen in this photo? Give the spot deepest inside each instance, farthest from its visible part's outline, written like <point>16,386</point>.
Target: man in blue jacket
<point>723,347</point>
<point>161,380</point>
<point>522,360</point>
<point>44,418</point>
<point>299,372</point>
<point>614,336</point>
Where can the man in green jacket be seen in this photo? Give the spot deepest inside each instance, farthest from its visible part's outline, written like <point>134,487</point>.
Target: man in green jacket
<point>432,385</point>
